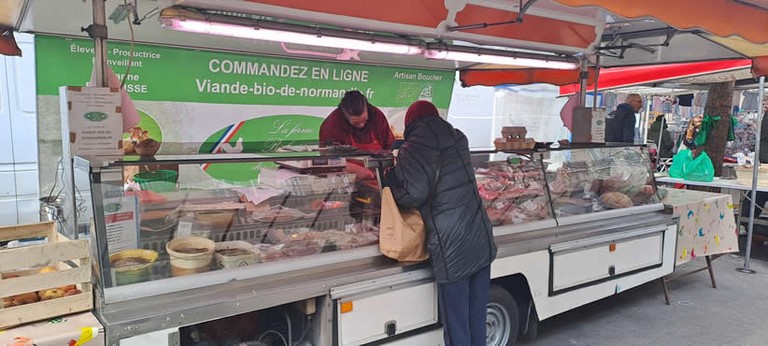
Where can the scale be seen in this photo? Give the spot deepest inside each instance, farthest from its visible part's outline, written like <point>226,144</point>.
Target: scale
<point>314,165</point>
<point>326,164</point>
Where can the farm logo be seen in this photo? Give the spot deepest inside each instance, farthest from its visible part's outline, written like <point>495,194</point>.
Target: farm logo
<point>264,135</point>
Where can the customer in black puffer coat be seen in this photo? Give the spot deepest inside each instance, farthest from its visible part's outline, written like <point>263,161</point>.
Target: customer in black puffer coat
<point>460,239</point>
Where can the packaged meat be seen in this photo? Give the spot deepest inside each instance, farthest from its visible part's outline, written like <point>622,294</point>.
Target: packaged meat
<point>276,236</point>
<point>358,228</point>
<point>302,248</point>
<point>270,253</point>
<point>278,214</point>
<point>366,239</point>
<point>513,192</point>
<point>616,200</point>
<point>644,195</point>
<point>558,187</point>
<point>535,189</point>
<point>291,249</point>
<point>487,194</point>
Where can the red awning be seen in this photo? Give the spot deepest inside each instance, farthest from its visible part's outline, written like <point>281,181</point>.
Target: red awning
<point>745,18</point>
<point>618,77</point>
<point>409,12</point>
<point>494,77</point>
<point>533,28</point>
<point>547,28</point>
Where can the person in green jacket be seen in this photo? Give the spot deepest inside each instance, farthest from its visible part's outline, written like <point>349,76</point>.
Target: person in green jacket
<point>659,130</point>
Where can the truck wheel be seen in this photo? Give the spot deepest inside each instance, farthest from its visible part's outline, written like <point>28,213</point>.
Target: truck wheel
<point>502,318</point>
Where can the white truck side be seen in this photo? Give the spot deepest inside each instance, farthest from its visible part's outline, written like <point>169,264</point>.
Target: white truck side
<point>19,192</point>
<point>541,271</point>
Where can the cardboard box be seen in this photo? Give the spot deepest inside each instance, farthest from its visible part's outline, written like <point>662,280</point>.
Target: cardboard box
<point>589,125</point>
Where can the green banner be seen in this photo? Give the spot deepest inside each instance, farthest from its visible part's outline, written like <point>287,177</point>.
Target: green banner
<point>184,75</point>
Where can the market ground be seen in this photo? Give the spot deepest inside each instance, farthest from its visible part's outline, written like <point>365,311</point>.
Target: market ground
<point>733,314</point>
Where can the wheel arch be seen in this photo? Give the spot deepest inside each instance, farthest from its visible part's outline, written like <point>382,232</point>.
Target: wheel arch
<point>519,288</point>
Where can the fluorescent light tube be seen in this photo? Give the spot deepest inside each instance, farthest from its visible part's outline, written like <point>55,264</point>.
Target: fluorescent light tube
<point>233,30</point>
<point>497,59</point>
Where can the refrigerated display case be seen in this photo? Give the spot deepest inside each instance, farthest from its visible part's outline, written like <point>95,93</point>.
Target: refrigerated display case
<point>181,242</point>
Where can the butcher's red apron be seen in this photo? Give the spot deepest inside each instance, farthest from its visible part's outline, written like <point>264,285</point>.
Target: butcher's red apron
<point>374,145</point>
<point>358,169</point>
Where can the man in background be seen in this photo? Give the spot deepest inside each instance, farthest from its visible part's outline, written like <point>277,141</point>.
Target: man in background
<point>620,124</point>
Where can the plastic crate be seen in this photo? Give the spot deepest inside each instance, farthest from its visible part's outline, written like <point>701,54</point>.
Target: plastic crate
<point>162,180</point>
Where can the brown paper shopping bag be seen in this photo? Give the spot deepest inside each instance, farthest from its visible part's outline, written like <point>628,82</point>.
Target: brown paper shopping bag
<point>402,234</point>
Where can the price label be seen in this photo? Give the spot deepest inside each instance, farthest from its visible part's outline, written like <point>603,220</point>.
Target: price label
<point>184,229</point>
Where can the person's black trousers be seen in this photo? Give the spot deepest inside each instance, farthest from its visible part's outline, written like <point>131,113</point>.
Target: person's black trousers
<point>463,309</point>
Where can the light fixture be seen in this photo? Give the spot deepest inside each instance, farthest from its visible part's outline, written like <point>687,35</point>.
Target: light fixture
<point>484,58</point>
<point>244,27</point>
<point>267,34</point>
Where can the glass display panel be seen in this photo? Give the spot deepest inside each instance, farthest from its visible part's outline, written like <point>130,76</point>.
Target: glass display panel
<point>597,179</point>
<point>513,189</point>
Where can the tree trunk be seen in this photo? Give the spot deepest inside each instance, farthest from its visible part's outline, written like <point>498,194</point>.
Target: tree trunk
<point>719,103</point>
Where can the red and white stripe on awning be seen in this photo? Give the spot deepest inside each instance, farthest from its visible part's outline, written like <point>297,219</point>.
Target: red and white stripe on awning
<point>618,77</point>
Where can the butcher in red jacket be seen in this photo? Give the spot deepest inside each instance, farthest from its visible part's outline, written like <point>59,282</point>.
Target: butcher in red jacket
<point>357,123</point>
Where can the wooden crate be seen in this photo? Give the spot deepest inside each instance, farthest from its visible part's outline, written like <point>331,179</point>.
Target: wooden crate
<point>27,261</point>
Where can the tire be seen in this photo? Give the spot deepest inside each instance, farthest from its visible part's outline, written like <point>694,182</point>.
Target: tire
<point>502,318</point>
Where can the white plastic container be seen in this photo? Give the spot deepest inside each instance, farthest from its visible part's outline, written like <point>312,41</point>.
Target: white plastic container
<point>224,260</point>
<point>186,262</point>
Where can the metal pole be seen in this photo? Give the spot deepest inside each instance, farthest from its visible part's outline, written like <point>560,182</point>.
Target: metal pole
<point>98,31</point>
<point>645,114</point>
<point>597,78</point>
<point>755,171</point>
<point>583,82</point>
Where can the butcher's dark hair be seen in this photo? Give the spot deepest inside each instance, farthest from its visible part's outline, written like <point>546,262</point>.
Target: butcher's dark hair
<point>353,103</point>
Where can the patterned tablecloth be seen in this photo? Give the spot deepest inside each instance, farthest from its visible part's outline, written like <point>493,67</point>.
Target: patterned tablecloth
<point>76,329</point>
<point>707,223</point>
